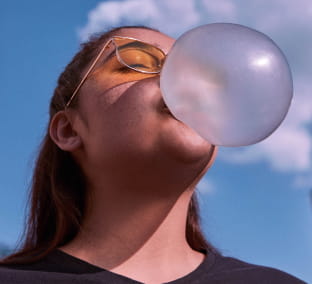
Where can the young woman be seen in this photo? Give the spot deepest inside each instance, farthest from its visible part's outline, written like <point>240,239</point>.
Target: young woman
<point>113,197</point>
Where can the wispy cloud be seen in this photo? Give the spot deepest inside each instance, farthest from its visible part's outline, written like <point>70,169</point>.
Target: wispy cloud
<point>303,181</point>
<point>219,11</point>
<point>205,186</point>
<point>158,14</point>
<point>289,23</point>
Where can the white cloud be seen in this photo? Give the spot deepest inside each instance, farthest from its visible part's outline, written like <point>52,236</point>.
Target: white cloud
<point>221,10</point>
<point>289,149</point>
<point>114,13</point>
<point>274,15</point>
<point>168,16</point>
<point>289,23</point>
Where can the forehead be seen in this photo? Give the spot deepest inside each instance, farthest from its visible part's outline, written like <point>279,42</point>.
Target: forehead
<point>155,38</point>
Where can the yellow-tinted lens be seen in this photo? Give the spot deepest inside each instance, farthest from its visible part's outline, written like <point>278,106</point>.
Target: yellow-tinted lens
<point>134,61</point>
<point>139,56</point>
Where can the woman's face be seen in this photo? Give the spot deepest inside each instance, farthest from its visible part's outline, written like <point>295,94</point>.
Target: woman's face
<point>124,124</point>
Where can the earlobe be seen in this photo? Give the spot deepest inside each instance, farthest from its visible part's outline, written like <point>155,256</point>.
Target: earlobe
<point>62,132</point>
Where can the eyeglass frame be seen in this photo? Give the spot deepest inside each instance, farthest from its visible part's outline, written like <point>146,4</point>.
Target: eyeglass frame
<point>119,59</point>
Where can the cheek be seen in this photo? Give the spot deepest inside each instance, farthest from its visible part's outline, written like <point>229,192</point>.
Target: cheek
<point>127,119</point>
<point>134,118</point>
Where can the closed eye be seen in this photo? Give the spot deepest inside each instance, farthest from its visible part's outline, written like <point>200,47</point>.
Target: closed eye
<point>124,69</point>
<point>141,66</point>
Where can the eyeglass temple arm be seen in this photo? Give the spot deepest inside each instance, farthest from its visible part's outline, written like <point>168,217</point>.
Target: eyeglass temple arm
<point>86,75</point>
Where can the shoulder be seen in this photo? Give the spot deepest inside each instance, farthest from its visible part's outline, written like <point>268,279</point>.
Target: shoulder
<point>18,275</point>
<point>14,276</point>
<point>232,270</point>
<point>43,271</point>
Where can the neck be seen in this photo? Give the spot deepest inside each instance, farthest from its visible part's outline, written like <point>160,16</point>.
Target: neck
<point>137,228</point>
<point>138,236</point>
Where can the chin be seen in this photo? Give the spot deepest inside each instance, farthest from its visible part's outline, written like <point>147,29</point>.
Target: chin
<point>185,145</point>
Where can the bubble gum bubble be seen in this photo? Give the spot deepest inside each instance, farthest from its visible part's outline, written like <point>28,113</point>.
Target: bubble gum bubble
<point>230,83</point>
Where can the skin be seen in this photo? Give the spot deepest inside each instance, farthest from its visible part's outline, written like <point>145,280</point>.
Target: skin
<point>141,165</point>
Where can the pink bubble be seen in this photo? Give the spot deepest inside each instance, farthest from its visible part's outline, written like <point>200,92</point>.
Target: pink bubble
<point>230,83</point>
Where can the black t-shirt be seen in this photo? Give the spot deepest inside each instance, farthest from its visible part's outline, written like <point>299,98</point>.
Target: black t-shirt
<point>60,267</point>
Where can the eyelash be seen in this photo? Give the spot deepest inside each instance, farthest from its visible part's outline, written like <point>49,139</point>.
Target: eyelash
<point>124,70</point>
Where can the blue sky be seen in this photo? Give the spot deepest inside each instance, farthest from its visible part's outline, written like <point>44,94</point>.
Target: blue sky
<point>254,200</point>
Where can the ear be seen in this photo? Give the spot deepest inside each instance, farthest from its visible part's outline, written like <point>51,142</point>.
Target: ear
<point>62,132</point>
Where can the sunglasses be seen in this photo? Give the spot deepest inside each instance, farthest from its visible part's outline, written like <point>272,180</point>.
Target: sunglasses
<point>130,60</point>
